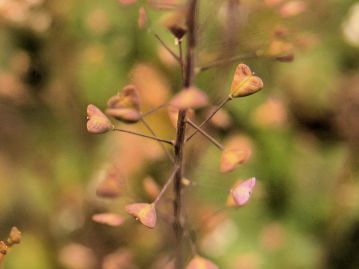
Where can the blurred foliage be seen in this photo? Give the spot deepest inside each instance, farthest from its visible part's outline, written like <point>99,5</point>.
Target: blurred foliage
<point>58,56</point>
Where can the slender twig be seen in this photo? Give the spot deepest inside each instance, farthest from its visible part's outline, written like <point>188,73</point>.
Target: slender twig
<point>153,110</point>
<point>149,128</point>
<point>210,117</point>
<point>150,30</point>
<point>166,47</point>
<point>168,182</point>
<point>220,62</point>
<point>205,134</point>
<point>143,135</point>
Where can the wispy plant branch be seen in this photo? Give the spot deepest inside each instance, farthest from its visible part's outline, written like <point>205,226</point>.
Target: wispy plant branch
<point>209,117</point>
<point>205,134</point>
<point>143,135</point>
<point>149,128</point>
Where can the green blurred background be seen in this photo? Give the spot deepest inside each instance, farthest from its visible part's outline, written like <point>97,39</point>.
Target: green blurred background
<point>58,56</point>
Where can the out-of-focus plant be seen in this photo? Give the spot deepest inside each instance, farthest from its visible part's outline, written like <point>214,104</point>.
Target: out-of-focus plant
<point>125,107</point>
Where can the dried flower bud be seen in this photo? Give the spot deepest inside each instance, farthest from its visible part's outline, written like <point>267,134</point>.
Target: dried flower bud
<point>177,30</point>
<point>241,192</point>
<point>189,98</point>
<point>110,219</point>
<point>176,24</point>
<point>97,122</point>
<point>233,157</point>
<point>125,106</point>
<point>14,236</point>
<point>143,212</point>
<point>244,82</point>
<point>201,263</point>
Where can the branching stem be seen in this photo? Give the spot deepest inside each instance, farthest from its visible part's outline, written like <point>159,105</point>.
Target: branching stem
<point>188,79</point>
<point>153,110</point>
<point>209,117</point>
<point>205,134</point>
<point>168,182</point>
<point>143,135</point>
<point>166,47</point>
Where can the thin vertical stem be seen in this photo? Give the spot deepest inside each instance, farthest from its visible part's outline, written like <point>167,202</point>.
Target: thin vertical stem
<point>181,57</point>
<point>188,78</point>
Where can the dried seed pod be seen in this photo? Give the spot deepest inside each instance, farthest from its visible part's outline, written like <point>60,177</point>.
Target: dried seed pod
<point>233,157</point>
<point>125,106</point>
<point>110,219</point>
<point>144,213</point>
<point>241,192</point>
<point>175,23</point>
<point>244,82</point>
<point>177,30</point>
<point>97,121</point>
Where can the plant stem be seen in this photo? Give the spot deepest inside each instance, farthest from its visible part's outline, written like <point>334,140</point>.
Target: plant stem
<point>154,134</point>
<point>153,110</point>
<point>205,134</point>
<point>181,57</point>
<point>188,77</point>
<point>209,117</point>
<point>165,187</point>
<point>166,47</point>
<point>143,135</point>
